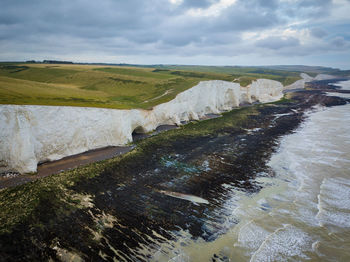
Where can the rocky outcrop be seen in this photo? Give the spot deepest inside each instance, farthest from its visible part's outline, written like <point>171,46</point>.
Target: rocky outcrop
<point>31,134</point>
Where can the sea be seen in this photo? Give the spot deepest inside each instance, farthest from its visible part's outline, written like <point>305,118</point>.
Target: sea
<point>302,212</point>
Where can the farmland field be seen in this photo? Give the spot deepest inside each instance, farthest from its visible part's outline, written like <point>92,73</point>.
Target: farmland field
<point>108,86</point>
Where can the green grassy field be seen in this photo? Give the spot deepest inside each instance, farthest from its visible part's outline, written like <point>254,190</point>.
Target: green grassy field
<point>121,87</point>
<point>242,75</point>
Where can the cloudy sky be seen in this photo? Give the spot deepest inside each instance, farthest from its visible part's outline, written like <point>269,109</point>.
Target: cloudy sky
<point>208,32</point>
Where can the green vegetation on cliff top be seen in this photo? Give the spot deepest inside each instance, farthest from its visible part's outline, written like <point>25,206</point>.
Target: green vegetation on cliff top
<point>108,86</point>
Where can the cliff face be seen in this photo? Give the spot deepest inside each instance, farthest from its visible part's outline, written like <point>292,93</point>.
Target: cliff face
<point>306,78</point>
<point>263,90</point>
<point>37,133</point>
<point>32,134</point>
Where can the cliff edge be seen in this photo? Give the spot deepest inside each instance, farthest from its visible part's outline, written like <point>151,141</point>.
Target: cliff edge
<point>31,134</point>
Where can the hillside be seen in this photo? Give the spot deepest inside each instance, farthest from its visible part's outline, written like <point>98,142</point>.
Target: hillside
<point>108,86</point>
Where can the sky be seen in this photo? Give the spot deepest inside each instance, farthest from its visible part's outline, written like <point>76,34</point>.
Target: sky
<point>201,32</point>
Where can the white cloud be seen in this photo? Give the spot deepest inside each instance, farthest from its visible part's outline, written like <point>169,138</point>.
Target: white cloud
<point>213,10</point>
<point>176,2</point>
<point>340,11</point>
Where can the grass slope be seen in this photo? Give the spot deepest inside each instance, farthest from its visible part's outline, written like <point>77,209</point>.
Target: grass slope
<point>242,75</point>
<point>121,87</point>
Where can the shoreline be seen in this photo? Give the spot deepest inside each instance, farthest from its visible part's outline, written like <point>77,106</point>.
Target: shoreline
<point>122,200</point>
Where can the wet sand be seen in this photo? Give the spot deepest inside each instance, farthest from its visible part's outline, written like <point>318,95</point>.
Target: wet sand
<point>66,163</point>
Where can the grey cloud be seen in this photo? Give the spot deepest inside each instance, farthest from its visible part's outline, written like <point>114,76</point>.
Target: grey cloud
<point>198,4</point>
<point>318,32</point>
<point>270,4</point>
<point>245,17</point>
<point>278,42</point>
<point>313,3</point>
<point>154,27</point>
<point>307,8</point>
<point>118,18</point>
<point>339,42</point>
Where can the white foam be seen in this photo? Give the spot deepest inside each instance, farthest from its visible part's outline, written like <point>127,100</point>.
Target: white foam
<point>283,243</point>
<point>251,236</point>
<point>343,84</point>
<point>334,202</point>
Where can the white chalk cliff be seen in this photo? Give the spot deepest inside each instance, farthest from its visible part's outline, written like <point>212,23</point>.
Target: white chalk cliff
<point>31,134</point>
<point>306,78</point>
<point>299,84</point>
